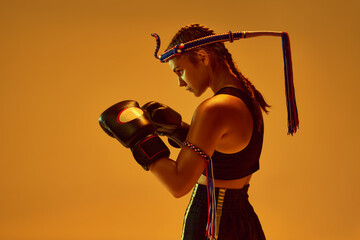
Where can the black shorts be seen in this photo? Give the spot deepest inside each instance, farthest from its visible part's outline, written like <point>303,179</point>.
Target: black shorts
<point>238,220</point>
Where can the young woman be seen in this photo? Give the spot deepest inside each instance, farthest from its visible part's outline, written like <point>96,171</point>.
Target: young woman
<point>228,127</point>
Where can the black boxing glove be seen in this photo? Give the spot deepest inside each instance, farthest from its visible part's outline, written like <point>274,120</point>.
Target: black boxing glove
<point>132,127</point>
<point>168,122</point>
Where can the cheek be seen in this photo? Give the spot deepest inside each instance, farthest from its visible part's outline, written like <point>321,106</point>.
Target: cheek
<point>186,77</point>
<point>200,78</point>
<point>195,78</point>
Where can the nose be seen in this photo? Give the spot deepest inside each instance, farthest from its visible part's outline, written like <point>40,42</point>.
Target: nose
<point>181,82</point>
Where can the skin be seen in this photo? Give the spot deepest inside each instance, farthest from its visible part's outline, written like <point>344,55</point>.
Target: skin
<point>229,114</point>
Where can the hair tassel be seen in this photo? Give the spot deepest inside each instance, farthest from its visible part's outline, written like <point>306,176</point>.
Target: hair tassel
<point>210,227</point>
<point>293,119</point>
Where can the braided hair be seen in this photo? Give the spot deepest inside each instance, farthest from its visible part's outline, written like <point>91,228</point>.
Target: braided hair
<point>222,56</point>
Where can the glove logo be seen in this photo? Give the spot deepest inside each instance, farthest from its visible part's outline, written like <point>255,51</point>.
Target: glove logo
<point>129,114</point>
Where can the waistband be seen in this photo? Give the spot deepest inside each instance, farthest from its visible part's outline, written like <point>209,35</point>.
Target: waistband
<point>234,198</point>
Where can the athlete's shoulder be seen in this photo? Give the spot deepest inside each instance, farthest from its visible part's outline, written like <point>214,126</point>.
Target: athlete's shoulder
<point>221,104</point>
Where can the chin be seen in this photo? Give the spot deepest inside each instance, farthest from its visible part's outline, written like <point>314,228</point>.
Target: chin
<point>198,94</point>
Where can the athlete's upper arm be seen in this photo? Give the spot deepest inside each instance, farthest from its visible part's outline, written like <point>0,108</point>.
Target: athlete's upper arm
<point>210,122</point>
<point>206,129</point>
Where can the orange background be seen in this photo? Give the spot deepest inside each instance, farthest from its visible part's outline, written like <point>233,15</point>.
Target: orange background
<point>63,62</point>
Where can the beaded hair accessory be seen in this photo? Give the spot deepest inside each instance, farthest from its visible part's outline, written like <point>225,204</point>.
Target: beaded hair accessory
<point>210,227</point>
<point>293,120</point>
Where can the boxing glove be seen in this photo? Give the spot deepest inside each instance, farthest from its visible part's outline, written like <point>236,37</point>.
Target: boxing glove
<point>168,122</point>
<point>132,127</point>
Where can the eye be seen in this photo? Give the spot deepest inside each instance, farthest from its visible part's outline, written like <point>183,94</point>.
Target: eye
<point>180,72</point>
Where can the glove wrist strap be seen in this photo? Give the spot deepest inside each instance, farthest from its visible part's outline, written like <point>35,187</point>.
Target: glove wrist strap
<point>150,150</point>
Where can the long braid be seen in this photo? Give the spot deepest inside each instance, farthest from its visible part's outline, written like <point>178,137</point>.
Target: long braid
<point>249,88</point>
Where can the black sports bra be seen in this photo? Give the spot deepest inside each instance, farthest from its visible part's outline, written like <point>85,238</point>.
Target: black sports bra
<point>243,163</point>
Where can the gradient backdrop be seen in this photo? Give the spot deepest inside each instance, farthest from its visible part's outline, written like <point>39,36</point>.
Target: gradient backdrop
<point>63,62</point>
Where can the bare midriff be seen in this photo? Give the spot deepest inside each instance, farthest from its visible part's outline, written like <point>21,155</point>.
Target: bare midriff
<point>230,184</point>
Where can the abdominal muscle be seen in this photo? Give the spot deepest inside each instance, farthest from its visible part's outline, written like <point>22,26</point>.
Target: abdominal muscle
<point>229,184</point>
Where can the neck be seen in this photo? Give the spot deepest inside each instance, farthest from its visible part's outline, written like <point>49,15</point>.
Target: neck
<point>223,78</point>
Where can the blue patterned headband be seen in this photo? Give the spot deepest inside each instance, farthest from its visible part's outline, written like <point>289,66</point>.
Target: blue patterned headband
<point>293,120</point>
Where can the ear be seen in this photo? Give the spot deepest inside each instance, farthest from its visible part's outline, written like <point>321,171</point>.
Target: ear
<point>203,56</point>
